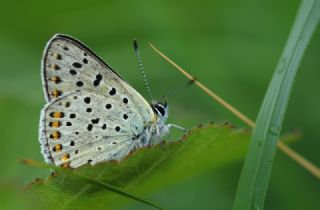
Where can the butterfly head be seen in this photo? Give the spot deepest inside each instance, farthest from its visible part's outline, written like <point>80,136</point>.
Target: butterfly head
<point>161,109</point>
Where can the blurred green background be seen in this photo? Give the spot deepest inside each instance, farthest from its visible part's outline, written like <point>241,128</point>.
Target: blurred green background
<point>231,46</point>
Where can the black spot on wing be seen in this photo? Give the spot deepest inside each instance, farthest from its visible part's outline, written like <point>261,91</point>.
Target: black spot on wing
<point>104,126</point>
<point>73,72</point>
<point>98,79</point>
<point>95,121</point>
<point>87,100</point>
<point>125,100</point>
<point>79,83</point>
<point>77,65</point>
<point>112,91</point>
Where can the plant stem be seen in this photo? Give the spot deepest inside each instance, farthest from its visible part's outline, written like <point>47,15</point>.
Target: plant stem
<point>303,162</point>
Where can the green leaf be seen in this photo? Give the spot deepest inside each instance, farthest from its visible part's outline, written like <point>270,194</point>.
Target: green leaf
<point>145,171</point>
<point>256,172</point>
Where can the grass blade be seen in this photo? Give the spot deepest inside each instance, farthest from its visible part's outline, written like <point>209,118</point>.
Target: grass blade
<point>256,172</point>
<point>116,190</point>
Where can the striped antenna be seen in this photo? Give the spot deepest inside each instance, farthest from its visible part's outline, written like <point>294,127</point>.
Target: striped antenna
<point>136,50</point>
<point>175,90</point>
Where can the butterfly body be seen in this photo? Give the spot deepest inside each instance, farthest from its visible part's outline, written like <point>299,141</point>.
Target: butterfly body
<point>92,114</point>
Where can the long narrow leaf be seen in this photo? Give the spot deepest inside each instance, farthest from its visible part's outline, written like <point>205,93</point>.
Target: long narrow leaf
<point>203,149</point>
<point>256,172</point>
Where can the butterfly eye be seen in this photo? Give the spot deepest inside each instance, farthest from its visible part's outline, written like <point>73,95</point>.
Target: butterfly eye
<point>160,109</point>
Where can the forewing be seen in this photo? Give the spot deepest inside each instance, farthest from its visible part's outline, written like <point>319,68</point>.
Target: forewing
<point>68,66</point>
<point>84,127</point>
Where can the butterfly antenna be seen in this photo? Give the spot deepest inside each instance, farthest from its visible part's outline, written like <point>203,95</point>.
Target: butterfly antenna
<point>136,50</point>
<point>175,90</point>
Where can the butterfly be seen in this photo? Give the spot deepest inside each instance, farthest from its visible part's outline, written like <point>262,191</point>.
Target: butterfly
<point>92,114</point>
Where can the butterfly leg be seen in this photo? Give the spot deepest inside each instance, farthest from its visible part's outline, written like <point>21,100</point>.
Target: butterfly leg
<point>176,126</point>
<point>133,147</point>
<point>147,137</point>
<point>153,135</point>
<point>158,132</point>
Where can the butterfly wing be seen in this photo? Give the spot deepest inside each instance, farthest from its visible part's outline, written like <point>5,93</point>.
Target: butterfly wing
<point>85,127</point>
<point>71,72</point>
<point>68,65</point>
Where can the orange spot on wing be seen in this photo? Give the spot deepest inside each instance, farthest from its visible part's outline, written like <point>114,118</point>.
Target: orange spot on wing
<point>65,157</point>
<point>57,114</point>
<point>56,80</point>
<point>55,135</point>
<point>56,93</point>
<point>55,124</point>
<point>55,67</point>
<point>57,148</point>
